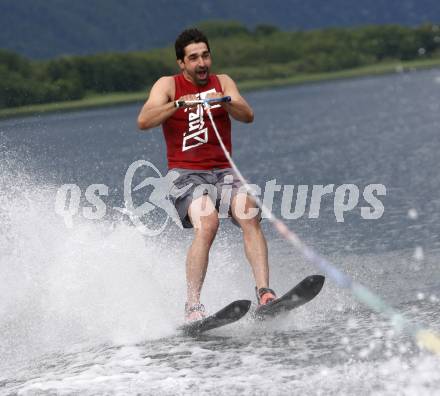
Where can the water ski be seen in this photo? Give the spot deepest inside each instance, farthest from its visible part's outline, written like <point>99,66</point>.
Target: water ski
<point>302,293</point>
<point>229,314</point>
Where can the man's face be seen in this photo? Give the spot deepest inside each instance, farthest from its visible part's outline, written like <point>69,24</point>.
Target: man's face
<point>196,63</point>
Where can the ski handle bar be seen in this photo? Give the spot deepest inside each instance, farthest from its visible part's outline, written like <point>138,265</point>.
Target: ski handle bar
<point>181,103</point>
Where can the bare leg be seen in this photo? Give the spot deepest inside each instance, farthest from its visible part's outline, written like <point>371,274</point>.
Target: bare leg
<point>204,218</point>
<point>255,245</point>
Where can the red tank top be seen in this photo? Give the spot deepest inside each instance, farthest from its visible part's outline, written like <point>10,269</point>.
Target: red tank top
<point>190,139</point>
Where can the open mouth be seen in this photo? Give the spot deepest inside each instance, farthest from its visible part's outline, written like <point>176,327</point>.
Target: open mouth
<point>202,74</point>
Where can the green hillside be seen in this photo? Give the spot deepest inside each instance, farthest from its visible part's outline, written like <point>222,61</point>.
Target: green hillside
<point>261,54</point>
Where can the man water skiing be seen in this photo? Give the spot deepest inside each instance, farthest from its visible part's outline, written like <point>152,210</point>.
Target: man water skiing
<point>193,151</point>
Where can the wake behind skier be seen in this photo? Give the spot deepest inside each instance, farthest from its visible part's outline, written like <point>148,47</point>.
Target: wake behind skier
<point>193,151</point>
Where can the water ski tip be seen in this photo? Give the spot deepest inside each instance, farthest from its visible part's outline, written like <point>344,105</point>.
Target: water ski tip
<point>316,282</point>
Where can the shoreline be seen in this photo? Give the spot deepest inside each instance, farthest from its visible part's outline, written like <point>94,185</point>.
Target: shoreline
<point>94,101</point>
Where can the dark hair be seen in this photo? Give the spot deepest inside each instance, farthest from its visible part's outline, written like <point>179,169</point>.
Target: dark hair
<point>189,36</point>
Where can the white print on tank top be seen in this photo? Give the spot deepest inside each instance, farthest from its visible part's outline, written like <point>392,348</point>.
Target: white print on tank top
<point>197,134</point>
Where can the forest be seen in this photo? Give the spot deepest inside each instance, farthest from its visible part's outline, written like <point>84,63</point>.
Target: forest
<point>262,53</point>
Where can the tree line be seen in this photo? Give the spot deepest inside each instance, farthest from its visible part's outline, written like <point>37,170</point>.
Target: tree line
<point>264,52</point>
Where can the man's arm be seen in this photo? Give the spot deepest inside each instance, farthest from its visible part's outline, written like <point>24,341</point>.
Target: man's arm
<point>238,108</point>
<point>159,105</point>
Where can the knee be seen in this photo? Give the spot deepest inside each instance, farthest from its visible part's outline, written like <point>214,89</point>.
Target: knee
<point>207,227</point>
<point>249,225</point>
<point>245,212</point>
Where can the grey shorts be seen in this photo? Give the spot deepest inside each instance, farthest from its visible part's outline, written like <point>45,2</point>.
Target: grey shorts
<point>192,184</point>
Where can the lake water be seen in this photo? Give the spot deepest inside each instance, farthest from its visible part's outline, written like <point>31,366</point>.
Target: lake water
<point>91,307</point>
